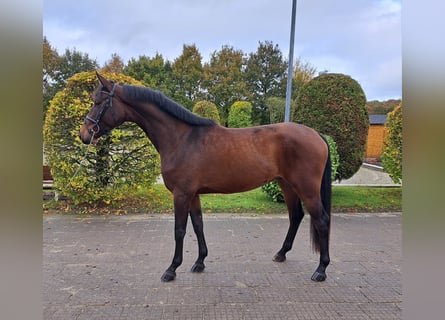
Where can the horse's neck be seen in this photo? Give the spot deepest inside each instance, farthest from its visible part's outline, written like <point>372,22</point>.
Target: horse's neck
<point>164,131</point>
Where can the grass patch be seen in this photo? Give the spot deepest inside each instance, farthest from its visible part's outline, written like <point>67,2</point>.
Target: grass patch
<point>157,199</point>
<point>366,199</point>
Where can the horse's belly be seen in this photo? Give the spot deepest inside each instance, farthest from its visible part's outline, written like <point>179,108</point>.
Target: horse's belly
<point>236,181</point>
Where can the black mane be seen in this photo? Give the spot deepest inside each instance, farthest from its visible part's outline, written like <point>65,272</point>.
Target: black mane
<point>166,104</point>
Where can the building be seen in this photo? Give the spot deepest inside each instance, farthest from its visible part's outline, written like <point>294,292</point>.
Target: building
<point>376,136</point>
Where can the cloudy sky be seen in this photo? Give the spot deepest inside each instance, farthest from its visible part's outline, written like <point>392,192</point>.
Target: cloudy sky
<point>361,38</point>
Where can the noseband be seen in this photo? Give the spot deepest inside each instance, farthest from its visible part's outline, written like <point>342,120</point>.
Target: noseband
<point>105,107</point>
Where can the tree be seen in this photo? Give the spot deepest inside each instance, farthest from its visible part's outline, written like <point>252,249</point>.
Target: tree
<point>114,65</point>
<point>51,60</point>
<point>382,107</point>
<point>72,62</point>
<point>276,108</point>
<point>154,72</point>
<point>57,69</point>
<point>265,76</point>
<point>207,109</point>
<point>335,105</point>
<point>240,115</point>
<point>188,73</point>
<point>303,73</point>
<point>392,146</point>
<point>108,171</point>
<point>223,79</point>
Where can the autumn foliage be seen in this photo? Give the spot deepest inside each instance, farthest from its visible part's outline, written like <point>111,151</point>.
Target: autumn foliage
<point>392,145</point>
<point>111,170</point>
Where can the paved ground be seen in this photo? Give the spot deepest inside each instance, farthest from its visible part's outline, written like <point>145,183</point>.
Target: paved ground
<point>369,175</point>
<point>109,267</point>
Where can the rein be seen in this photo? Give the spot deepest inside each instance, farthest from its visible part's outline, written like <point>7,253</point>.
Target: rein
<point>106,106</point>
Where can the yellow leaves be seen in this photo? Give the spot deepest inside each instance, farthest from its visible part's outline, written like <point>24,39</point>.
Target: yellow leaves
<point>207,109</point>
<point>392,148</point>
<point>112,168</point>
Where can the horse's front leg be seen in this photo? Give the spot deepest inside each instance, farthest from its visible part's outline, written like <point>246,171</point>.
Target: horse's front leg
<point>182,207</point>
<point>196,215</point>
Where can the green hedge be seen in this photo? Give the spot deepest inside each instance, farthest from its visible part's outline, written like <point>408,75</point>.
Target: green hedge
<point>392,147</point>
<point>335,105</point>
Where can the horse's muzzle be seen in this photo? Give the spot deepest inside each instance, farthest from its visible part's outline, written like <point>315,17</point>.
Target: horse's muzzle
<point>87,136</point>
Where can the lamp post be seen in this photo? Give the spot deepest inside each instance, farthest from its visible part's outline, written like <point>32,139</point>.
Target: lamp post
<point>291,62</point>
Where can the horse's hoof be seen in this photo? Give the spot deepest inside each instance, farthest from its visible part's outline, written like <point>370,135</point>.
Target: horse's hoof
<point>317,276</point>
<point>198,267</point>
<point>168,276</point>
<point>279,258</point>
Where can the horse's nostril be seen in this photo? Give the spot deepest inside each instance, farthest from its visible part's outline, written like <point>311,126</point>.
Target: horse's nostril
<point>85,135</point>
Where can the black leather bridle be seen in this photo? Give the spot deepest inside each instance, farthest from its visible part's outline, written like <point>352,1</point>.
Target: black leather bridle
<point>107,105</point>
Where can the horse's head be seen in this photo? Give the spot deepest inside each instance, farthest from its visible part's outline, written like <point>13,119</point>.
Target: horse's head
<point>105,113</point>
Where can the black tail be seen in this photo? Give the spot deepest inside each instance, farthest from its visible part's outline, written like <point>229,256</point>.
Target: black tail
<point>326,184</point>
<point>325,194</point>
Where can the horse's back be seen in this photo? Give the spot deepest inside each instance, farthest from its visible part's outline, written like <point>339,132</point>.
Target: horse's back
<point>281,139</point>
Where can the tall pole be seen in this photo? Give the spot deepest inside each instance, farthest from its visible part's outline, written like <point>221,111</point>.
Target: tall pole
<point>291,63</point>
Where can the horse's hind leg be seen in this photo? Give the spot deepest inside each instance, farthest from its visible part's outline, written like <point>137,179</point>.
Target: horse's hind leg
<point>296,214</point>
<point>196,215</point>
<point>320,225</point>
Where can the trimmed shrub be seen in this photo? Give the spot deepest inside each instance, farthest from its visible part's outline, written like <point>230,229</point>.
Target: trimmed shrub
<point>240,115</point>
<point>335,105</point>
<point>273,190</point>
<point>392,145</point>
<point>207,109</point>
<point>106,172</point>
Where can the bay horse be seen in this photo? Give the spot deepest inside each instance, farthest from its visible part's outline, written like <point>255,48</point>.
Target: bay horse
<point>199,156</point>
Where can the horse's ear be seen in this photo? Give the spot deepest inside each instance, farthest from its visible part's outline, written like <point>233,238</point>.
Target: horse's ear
<point>104,82</point>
